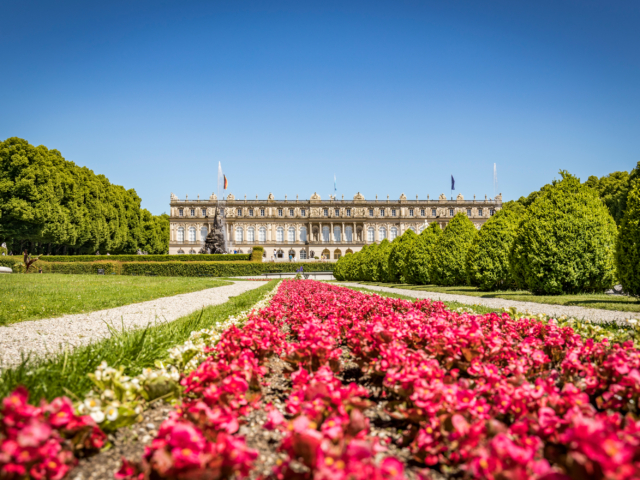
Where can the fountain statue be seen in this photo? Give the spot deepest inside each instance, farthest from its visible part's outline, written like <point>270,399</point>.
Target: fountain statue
<point>214,243</point>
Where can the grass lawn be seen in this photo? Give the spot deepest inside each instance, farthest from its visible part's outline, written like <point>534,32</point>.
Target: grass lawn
<point>66,374</point>
<point>30,297</point>
<point>594,300</point>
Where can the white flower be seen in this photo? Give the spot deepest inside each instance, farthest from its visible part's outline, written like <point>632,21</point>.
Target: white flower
<point>632,321</point>
<point>112,413</point>
<point>92,403</point>
<point>97,416</point>
<point>108,393</point>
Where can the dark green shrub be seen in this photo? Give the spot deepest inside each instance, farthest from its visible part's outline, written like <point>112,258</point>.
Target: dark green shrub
<point>218,269</point>
<point>365,263</point>
<point>340,268</point>
<point>487,263</point>
<point>398,254</point>
<point>419,256</point>
<point>257,253</point>
<point>628,244</point>
<point>450,252</point>
<point>149,258</point>
<point>565,242</point>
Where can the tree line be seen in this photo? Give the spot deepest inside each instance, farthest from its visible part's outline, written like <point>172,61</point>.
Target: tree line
<point>49,205</point>
<point>568,237</point>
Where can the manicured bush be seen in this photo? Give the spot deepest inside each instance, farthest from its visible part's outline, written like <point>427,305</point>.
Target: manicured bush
<point>81,268</point>
<point>487,263</point>
<point>381,261</point>
<point>150,258</point>
<point>450,252</point>
<point>256,254</point>
<point>418,258</point>
<point>397,255</point>
<point>340,268</point>
<point>368,263</point>
<point>218,269</point>
<point>628,244</point>
<point>565,242</point>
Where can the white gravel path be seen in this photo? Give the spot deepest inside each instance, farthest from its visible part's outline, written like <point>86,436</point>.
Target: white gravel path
<point>579,313</point>
<point>51,335</point>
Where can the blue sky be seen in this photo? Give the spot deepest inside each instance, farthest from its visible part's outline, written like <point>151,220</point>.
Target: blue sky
<point>391,97</point>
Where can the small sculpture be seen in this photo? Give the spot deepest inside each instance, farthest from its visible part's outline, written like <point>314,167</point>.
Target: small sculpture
<point>214,243</point>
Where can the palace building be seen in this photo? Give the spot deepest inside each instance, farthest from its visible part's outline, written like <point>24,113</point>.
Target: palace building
<point>312,228</point>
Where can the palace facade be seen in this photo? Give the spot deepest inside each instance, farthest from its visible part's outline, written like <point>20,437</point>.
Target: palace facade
<point>313,228</point>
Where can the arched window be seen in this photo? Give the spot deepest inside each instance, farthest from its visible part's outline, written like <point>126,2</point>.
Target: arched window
<point>423,226</point>
<point>348,233</point>
<point>292,253</point>
<point>370,235</point>
<point>325,234</point>
<point>280,235</point>
<point>337,254</point>
<point>262,234</point>
<point>192,252</point>
<point>192,234</point>
<point>411,228</point>
<point>239,234</point>
<point>280,254</point>
<point>303,254</point>
<point>382,233</point>
<point>326,253</point>
<point>394,233</point>
<point>303,237</point>
<point>181,235</point>
<point>251,234</point>
<point>181,252</point>
<point>348,251</point>
<point>203,233</point>
<point>337,234</point>
<point>292,234</point>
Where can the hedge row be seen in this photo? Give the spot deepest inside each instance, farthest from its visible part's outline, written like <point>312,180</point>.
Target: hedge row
<point>173,269</point>
<point>148,258</point>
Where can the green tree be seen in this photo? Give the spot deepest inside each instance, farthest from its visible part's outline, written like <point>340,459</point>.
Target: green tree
<point>367,265</point>
<point>565,241</point>
<point>628,243</point>
<point>450,252</point>
<point>487,263</point>
<point>398,253</point>
<point>419,256</point>
<point>340,270</point>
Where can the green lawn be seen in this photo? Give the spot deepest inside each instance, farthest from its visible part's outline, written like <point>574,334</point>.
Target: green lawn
<point>66,374</point>
<point>602,301</point>
<point>30,297</point>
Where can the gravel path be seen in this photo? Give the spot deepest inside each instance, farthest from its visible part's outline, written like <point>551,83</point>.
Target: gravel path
<point>52,334</point>
<point>580,313</point>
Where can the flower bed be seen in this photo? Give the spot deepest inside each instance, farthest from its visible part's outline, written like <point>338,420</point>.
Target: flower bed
<point>435,393</point>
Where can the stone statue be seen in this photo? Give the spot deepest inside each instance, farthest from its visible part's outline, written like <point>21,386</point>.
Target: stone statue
<point>214,243</point>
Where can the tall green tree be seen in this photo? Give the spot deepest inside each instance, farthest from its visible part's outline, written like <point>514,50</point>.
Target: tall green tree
<point>628,243</point>
<point>487,263</point>
<point>565,241</point>
<point>397,255</point>
<point>450,252</point>
<point>419,257</point>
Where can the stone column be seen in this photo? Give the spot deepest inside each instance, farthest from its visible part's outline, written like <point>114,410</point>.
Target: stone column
<point>342,235</point>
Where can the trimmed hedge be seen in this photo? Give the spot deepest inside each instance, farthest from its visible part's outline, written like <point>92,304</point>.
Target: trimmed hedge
<point>80,268</point>
<point>450,252</point>
<point>628,244</point>
<point>419,256</point>
<point>149,258</point>
<point>218,269</point>
<point>397,255</point>
<point>256,254</point>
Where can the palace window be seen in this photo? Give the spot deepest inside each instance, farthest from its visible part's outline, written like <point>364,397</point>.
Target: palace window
<point>326,212</point>
<point>181,212</point>
<point>303,213</point>
<point>239,234</point>
<point>292,234</point>
<point>181,234</point>
<point>370,237</point>
<point>451,212</point>
<point>411,212</point>
<point>303,236</point>
<point>492,212</point>
<point>433,212</point>
<point>382,233</point>
<point>468,212</point>
<point>291,212</point>
<point>480,211</point>
<point>251,212</point>
<point>393,212</point>
<point>239,212</point>
<point>303,254</point>
<point>394,233</point>
<point>337,234</point>
<point>422,213</point>
<point>337,212</point>
<point>251,234</point>
<point>193,212</point>
<point>204,212</point>
<point>280,234</point>
<point>348,212</point>
<point>371,212</point>
<point>192,234</point>
<point>382,212</point>
<point>348,233</point>
<point>262,234</point>
<point>203,233</point>
<point>325,234</point>
<point>262,212</point>
<point>279,212</point>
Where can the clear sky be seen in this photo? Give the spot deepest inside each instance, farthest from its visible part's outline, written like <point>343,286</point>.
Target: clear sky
<point>391,97</point>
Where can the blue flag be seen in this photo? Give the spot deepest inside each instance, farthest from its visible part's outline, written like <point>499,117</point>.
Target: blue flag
<point>453,183</point>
